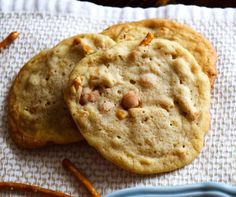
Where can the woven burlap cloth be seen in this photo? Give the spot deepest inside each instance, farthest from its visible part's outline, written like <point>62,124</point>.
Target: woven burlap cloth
<point>40,30</point>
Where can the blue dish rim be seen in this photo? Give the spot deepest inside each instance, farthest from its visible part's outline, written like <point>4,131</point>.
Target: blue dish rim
<point>211,189</point>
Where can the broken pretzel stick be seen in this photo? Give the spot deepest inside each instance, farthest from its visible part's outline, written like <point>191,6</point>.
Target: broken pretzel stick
<point>31,188</point>
<point>149,37</point>
<point>76,173</point>
<point>8,40</point>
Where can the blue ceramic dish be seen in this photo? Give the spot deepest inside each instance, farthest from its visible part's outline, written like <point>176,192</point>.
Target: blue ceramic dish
<point>208,189</point>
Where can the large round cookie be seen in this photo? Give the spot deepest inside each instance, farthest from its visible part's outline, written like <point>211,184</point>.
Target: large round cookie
<point>37,112</point>
<point>197,44</point>
<point>144,106</point>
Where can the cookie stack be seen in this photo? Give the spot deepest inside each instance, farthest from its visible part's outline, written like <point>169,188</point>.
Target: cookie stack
<point>138,92</point>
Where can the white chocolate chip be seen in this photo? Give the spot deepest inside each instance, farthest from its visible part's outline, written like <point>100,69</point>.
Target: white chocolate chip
<point>147,80</point>
<point>89,96</point>
<point>105,106</point>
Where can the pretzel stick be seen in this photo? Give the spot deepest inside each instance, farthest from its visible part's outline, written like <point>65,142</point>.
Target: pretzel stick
<point>9,39</point>
<point>31,188</point>
<point>76,173</point>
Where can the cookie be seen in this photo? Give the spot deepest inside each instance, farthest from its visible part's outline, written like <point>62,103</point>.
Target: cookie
<point>197,44</point>
<point>144,105</point>
<point>37,112</point>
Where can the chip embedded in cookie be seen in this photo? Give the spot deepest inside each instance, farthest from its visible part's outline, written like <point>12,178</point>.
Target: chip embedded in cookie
<point>194,42</point>
<point>144,104</point>
<point>37,112</point>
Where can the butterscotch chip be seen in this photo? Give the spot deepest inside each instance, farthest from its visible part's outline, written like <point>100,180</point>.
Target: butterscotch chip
<point>130,100</point>
<point>38,114</point>
<point>194,42</point>
<point>168,110</point>
<point>121,114</point>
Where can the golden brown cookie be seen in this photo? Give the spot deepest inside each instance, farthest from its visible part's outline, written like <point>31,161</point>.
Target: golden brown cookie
<point>143,104</point>
<point>37,112</point>
<point>197,44</point>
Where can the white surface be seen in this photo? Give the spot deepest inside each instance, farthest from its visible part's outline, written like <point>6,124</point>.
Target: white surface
<point>101,12</point>
<point>41,29</point>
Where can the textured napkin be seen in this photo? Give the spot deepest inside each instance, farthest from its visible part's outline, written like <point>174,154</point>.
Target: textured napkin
<point>40,30</point>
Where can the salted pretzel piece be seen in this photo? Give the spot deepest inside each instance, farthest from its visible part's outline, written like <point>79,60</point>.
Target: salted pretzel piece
<point>149,37</point>
<point>69,166</point>
<point>9,39</point>
<point>87,49</point>
<point>31,188</point>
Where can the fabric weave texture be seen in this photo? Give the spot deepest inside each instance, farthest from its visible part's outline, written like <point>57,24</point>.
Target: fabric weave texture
<point>42,167</point>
